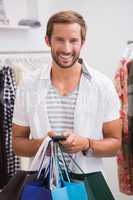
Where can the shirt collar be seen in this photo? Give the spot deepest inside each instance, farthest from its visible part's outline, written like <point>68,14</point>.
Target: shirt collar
<point>86,70</point>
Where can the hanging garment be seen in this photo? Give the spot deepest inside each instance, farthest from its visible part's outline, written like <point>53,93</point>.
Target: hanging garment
<point>123,82</point>
<point>130,108</point>
<point>3,163</point>
<point>7,105</point>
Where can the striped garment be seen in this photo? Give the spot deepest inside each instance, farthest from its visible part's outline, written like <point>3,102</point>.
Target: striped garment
<point>61,111</point>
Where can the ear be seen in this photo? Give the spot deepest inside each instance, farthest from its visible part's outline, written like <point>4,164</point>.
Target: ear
<point>47,40</point>
<point>83,42</point>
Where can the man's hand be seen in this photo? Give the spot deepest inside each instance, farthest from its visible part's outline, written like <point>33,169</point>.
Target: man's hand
<point>52,133</point>
<point>74,143</point>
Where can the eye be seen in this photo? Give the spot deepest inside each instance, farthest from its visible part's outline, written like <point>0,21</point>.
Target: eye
<point>59,39</point>
<point>74,40</point>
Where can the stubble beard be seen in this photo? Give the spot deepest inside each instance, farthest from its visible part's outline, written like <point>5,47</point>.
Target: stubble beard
<point>55,58</point>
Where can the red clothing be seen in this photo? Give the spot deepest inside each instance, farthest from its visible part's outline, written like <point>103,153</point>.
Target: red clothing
<point>124,158</point>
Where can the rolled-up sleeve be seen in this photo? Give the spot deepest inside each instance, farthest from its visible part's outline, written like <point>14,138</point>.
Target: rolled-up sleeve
<point>20,115</point>
<point>111,103</point>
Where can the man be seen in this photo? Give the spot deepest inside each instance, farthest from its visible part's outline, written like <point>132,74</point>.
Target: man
<point>70,98</point>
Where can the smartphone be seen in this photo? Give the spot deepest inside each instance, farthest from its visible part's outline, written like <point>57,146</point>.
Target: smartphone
<point>58,138</point>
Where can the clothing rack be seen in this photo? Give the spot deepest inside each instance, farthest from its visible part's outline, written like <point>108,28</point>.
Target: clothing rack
<point>28,59</point>
<point>24,52</point>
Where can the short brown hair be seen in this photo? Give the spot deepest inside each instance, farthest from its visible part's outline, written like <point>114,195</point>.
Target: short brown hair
<point>67,17</point>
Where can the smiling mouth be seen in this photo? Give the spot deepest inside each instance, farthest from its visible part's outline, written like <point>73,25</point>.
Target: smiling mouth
<point>65,57</point>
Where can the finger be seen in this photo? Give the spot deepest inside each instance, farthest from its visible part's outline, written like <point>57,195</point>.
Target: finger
<point>51,133</point>
<point>64,143</point>
<point>66,133</point>
<point>67,150</point>
<point>67,142</point>
<point>70,140</point>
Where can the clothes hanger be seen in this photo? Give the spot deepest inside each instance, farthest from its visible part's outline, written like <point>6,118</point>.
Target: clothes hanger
<point>128,53</point>
<point>2,64</point>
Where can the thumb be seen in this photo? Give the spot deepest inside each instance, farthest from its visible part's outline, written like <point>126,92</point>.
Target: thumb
<point>51,133</point>
<point>66,133</point>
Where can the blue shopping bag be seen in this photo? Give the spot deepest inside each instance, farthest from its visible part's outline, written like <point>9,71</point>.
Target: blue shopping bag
<point>34,191</point>
<point>37,185</point>
<point>70,191</point>
<point>66,189</point>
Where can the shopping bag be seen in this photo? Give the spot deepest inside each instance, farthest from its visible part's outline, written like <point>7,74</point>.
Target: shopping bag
<point>14,188</point>
<point>15,185</point>
<point>36,190</point>
<point>66,189</point>
<point>70,191</point>
<point>38,187</point>
<point>96,185</point>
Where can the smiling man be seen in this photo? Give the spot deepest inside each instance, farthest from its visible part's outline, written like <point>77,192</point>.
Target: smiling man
<point>65,44</point>
<point>70,98</point>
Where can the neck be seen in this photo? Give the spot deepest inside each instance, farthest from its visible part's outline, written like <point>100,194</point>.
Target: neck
<point>66,75</point>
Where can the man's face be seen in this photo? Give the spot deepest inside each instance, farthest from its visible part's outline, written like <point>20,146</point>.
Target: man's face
<point>66,44</point>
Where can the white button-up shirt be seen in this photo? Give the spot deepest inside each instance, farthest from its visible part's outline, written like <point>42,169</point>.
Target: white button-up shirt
<point>97,103</point>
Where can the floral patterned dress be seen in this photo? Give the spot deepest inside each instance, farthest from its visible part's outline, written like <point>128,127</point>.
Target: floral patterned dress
<point>125,157</point>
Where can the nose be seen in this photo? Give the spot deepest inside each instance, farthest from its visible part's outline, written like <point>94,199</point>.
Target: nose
<point>67,47</point>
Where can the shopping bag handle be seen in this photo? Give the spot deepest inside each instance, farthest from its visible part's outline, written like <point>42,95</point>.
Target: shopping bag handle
<point>74,162</point>
<point>40,158</point>
<point>64,164</point>
<point>47,170</point>
<point>37,160</point>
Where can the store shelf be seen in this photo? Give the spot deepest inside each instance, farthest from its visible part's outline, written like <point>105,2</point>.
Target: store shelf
<point>13,27</point>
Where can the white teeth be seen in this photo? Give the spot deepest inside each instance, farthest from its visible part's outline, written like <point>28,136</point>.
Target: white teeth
<point>65,57</point>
